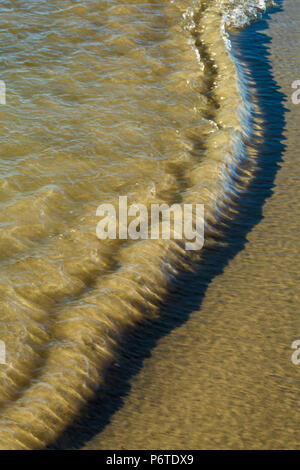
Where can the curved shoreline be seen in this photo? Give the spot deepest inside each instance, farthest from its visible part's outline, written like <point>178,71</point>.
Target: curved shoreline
<point>122,297</point>
<point>247,173</point>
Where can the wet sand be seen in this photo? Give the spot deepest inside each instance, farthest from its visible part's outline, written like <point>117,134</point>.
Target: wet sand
<point>224,378</point>
<point>177,349</point>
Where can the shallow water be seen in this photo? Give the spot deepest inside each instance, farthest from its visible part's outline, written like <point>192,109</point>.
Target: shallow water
<point>143,100</point>
<point>224,378</point>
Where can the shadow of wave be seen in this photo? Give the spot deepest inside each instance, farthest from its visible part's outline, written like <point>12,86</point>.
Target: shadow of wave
<point>250,47</point>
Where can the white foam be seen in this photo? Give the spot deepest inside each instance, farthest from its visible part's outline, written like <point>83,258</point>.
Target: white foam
<point>240,13</point>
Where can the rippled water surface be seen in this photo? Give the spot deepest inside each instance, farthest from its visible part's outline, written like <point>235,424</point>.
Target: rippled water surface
<point>145,99</point>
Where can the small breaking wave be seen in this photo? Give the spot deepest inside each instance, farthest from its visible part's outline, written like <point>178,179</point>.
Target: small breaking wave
<point>80,297</point>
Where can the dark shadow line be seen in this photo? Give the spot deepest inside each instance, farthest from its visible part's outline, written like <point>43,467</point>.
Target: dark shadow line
<point>251,49</point>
